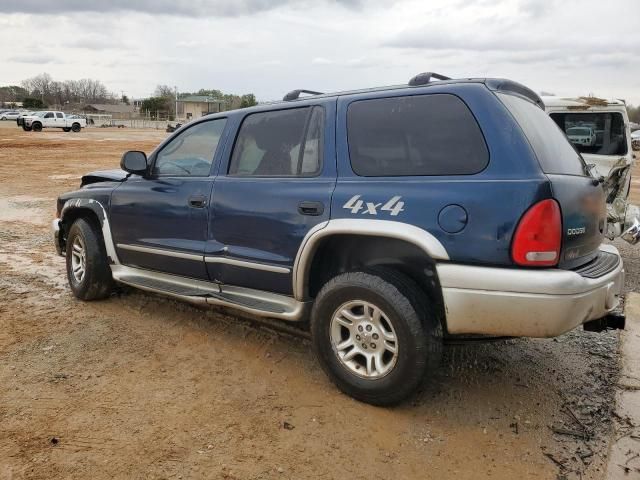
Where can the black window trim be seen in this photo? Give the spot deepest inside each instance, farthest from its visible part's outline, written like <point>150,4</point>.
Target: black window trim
<point>418,94</point>
<point>311,108</point>
<point>169,140</point>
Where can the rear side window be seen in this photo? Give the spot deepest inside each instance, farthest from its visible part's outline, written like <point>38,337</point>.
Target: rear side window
<point>415,135</point>
<point>284,143</point>
<point>554,152</point>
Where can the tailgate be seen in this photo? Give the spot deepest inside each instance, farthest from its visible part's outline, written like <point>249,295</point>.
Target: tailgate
<point>580,197</point>
<point>583,209</point>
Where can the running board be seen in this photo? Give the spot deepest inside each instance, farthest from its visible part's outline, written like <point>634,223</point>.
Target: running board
<point>256,302</point>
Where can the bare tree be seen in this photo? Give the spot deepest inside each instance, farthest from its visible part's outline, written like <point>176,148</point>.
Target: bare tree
<point>164,91</point>
<point>85,90</point>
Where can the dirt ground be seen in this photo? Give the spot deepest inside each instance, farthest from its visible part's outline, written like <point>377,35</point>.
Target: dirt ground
<point>139,386</point>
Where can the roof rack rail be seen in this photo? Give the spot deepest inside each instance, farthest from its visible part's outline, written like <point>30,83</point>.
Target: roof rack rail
<point>425,77</point>
<point>295,94</point>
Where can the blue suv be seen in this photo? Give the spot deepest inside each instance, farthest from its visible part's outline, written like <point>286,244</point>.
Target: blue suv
<point>385,219</point>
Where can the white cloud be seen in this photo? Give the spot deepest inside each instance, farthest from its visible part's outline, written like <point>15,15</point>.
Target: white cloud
<point>321,61</point>
<point>270,47</point>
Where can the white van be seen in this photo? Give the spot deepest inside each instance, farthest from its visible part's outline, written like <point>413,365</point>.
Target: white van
<point>599,130</point>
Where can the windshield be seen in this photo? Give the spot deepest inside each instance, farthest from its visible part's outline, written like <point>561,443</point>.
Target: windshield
<point>39,114</point>
<point>578,131</point>
<point>608,127</point>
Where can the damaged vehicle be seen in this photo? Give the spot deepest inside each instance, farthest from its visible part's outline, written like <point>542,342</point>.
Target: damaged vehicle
<point>599,130</point>
<point>382,220</point>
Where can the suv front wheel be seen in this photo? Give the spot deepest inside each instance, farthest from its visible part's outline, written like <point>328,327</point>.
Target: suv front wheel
<point>88,270</point>
<point>374,335</point>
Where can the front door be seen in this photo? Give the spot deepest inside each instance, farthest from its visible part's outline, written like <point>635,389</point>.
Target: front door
<point>49,119</point>
<point>160,222</point>
<point>274,185</point>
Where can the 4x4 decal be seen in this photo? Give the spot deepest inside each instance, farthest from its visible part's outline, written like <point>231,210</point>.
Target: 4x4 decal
<point>394,206</point>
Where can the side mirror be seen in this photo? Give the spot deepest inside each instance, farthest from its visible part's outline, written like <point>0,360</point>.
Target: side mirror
<point>635,145</point>
<point>135,162</point>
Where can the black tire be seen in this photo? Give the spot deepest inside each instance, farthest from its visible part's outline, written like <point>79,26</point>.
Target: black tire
<point>417,329</point>
<point>25,128</point>
<point>66,129</point>
<point>75,127</point>
<point>36,127</point>
<point>97,282</point>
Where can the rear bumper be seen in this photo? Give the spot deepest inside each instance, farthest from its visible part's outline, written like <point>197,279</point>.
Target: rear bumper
<point>525,303</point>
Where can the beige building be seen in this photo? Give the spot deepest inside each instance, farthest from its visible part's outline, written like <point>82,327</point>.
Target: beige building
<point>196,106</point>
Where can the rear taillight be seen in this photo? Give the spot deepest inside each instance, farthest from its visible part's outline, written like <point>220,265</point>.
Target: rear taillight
<point>538,237</point>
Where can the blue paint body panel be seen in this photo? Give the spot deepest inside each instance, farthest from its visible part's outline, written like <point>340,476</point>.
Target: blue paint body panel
<point>494,198</point>
<point>155,213</point>
<point>257,220</point>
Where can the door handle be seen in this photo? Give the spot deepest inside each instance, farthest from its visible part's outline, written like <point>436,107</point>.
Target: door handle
<point>311,208</point>
<point>198,201</point>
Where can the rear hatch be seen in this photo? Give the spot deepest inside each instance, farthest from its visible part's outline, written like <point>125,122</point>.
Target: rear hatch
<point>580,197</point>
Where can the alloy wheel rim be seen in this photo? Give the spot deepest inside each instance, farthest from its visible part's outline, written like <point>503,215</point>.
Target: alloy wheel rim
<point>363,339</point>
<point>78,259</point>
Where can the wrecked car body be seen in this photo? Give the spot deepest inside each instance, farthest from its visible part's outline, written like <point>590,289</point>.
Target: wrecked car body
<point>599,130</point>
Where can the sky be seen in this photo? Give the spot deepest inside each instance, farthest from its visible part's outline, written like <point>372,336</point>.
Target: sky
<point>268,47</point>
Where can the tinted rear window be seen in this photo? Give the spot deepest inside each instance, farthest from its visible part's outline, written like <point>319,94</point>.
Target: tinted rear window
<point>415,135</point>
<point>554,152</point>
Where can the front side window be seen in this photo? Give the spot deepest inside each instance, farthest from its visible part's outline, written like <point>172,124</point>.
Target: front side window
<point>48,115</point>
<point>284,143</point>
<point>414,135</point>
<point>599,133</point>
<point>191,152</point>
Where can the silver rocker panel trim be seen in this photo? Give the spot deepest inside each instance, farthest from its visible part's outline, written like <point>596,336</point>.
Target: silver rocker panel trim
<point>161,251</point>
<point>208,259</point>
<point>243,263</point>
<point>293,310</point>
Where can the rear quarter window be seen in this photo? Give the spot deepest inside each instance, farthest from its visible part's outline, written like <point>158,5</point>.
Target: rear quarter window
<point>552,148</point>
<point>414,135</point>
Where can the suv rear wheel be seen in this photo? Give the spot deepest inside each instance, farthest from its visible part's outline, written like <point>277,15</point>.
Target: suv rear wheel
<point>374,335</point>
<point>75,127</point>
<point>88,270</point>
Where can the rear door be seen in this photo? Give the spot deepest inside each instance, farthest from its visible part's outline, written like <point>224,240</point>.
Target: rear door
<point>274,186</point>
<point>580,196</point>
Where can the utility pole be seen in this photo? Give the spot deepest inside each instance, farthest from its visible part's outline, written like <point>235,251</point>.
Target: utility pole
<point>176,115</point>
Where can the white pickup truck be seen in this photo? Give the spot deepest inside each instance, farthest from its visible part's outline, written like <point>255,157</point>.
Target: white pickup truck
<point>52,119</point>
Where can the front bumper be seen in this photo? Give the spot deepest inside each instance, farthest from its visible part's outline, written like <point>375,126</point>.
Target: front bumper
<point>55,227</point>
<point>523,302</point>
